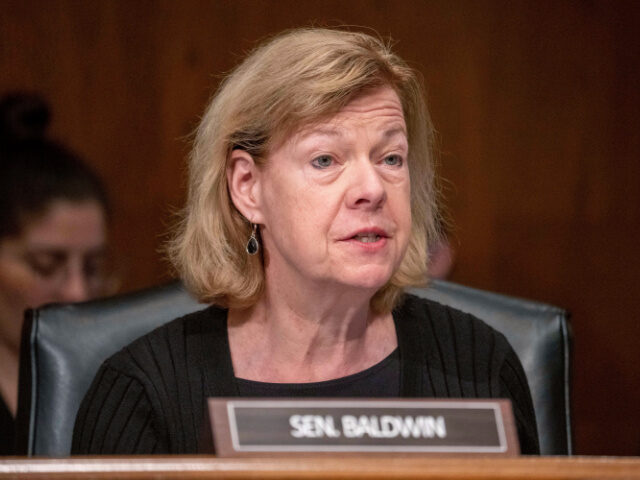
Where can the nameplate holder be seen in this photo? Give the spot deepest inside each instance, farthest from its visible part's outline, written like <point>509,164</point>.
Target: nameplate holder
<point>266,426</point>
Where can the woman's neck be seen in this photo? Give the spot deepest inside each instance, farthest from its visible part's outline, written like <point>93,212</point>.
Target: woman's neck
<point>286,338</point>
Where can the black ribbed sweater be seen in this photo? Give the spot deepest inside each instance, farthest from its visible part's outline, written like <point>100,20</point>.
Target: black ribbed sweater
<point>150,397</point>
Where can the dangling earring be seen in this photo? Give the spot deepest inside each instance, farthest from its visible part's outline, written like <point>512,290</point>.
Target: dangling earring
<point>253,245</point>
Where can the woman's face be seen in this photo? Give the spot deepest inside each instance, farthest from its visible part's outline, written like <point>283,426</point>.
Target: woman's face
<point>58,257</point>
<point>334,199</point>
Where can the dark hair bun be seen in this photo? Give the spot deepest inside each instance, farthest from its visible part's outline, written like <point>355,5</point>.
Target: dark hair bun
<point>23,117</point>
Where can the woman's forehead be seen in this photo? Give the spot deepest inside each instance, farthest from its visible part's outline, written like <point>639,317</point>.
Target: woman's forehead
<point>380,110</point>
<point>68,224</point>
<point>380,107</point>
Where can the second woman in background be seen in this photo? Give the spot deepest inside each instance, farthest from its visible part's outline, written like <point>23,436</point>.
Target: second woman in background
<point>52,233</point>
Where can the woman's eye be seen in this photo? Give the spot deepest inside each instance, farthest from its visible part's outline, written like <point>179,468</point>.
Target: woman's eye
<point>44,270</point>
<point>323,161</point>
<point>45,265</point>
<point>393,160</point>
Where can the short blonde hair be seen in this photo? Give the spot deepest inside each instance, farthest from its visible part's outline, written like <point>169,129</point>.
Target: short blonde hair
<point>298,77</point>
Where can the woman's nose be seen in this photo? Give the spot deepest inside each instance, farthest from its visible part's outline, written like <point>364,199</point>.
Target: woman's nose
<point>75,287</point>
<point>366,189</point>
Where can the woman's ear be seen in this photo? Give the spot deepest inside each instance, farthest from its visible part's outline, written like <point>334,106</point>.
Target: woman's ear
<point>243,179</point>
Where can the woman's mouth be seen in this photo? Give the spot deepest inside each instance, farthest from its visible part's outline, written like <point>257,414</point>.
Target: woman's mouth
<point>367,237</point>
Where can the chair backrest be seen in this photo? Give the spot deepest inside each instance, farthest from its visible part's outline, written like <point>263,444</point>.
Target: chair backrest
<point>64,345</point>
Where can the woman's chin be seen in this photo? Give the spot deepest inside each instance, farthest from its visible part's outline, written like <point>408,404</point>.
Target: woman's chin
<point>366,279</point>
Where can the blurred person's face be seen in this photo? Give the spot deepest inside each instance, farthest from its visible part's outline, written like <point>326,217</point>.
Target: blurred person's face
<point>334,199</point>
<point>58,257</point>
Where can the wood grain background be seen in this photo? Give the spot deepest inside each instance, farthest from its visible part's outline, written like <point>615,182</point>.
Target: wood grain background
<point>537,107</point>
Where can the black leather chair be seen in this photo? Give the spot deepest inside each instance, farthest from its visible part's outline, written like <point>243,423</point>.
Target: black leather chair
<point>63,346</point>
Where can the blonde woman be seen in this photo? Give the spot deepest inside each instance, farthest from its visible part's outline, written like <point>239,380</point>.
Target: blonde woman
<point>311,205</point>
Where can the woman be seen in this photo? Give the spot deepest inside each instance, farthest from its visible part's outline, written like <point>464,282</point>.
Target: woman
<point>311,203</point>
<point>52,233</point>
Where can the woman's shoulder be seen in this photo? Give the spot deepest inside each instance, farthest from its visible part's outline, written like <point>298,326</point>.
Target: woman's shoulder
<point>153,388</point>
<point>465,357</point>
<point>435,324</point>
<point>420,311</point>
<point>176,341</point>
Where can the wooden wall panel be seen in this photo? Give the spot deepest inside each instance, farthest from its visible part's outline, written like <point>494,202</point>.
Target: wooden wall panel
<point>536,104</point>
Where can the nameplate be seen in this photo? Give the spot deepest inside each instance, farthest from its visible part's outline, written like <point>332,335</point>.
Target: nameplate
<point>244,427</point>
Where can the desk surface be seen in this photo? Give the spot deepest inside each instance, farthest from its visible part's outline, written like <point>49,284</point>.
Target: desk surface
<point>415,468</point>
